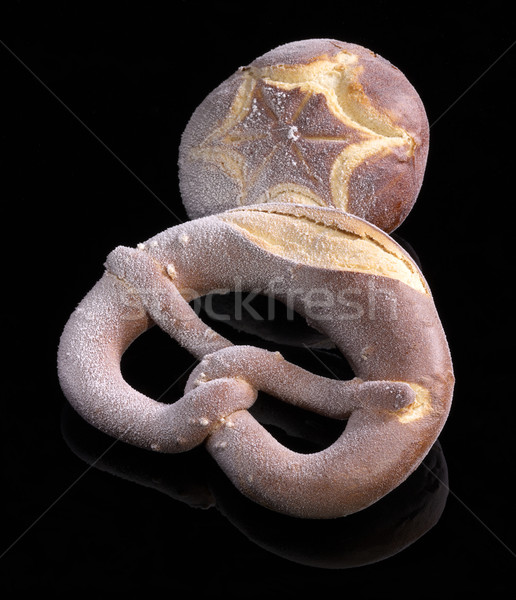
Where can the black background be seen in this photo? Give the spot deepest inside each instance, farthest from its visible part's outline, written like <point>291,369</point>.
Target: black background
<point>133,76</point>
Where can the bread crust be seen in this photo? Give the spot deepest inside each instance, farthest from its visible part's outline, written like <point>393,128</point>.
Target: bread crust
<point>316,121</point>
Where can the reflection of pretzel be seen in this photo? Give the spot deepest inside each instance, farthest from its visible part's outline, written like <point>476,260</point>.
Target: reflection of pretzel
<point>350,281</point>
<point>372,535</point>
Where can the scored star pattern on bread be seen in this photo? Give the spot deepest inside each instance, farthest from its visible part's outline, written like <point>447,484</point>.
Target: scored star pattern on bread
<point>298,138</point>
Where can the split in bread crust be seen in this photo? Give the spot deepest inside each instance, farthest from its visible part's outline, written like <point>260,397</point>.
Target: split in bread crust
<point>384,323</point>
<point>317,122</point>
<point>330,248</point>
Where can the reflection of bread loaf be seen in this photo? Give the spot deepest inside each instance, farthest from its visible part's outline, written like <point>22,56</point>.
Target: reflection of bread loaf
<point>376,307</point>
<point>318,122</point>
<point>259,319</point>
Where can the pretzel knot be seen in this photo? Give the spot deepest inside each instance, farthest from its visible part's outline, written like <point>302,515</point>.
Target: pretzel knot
<point>390,333</point>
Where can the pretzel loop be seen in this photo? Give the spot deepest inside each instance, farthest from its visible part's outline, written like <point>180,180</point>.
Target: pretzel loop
<point>224,363</point>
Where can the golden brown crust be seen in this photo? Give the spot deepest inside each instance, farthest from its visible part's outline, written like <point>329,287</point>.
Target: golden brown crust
<point>323,121</point>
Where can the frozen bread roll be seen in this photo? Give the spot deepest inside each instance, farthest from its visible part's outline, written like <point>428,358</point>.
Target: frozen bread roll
<point>318,122</point>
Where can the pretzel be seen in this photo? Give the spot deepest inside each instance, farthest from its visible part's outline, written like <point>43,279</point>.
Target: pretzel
<point>318,122</point>
<point>349,280</point>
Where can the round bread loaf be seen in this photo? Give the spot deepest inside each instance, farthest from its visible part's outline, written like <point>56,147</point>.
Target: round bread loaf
<point>318,122</point>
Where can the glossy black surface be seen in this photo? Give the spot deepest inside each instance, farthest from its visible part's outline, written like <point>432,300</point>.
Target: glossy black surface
<point>83,514</point>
